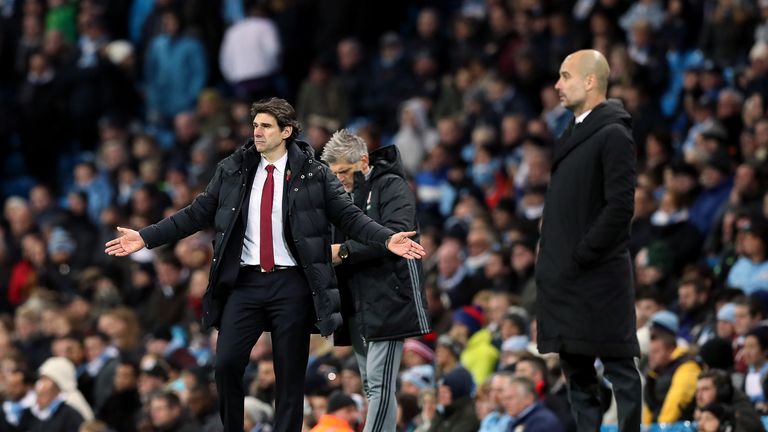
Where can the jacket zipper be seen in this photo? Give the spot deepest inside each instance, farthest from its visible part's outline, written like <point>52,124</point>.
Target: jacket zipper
<point>228,233</point>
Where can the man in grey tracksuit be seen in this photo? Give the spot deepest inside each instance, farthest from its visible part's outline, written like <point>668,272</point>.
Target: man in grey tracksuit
<point>384,297</point>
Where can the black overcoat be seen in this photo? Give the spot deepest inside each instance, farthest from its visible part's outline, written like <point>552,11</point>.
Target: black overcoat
<point>585,299</point>
<point>313,198</point>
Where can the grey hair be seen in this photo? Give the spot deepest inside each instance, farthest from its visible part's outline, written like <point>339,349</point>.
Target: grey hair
<point>344,147</point>
<point>524,384</point>
<point>732,93</point>
<point>16,202</point>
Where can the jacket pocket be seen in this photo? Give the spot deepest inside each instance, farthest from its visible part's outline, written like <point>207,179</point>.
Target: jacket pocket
<point>212,310</point>
<point>398,288</point>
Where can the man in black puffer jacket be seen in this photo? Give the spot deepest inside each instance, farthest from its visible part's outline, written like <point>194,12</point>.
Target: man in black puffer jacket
<point>386,291</point>
<point>271,204</point>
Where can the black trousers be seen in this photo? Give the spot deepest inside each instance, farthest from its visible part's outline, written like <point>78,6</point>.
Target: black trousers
<point>582,383</point>
<point>279,302</point>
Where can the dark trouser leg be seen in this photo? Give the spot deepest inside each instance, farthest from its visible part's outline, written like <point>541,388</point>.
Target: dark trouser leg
<point>242,323</point>
<point>625,379</point>
<point>288,314</point>
<point>581,379</point>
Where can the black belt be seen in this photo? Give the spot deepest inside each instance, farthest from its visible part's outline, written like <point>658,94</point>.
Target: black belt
<point>257,268</point>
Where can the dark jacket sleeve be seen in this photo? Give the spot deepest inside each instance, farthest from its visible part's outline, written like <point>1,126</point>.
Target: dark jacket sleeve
<point>618,161</point>
<point>747,418</point>
<point>466,422</point>
<point>344,214</point>
<point>187,221</point>
<point>397,208</point>
<point>544,423</point>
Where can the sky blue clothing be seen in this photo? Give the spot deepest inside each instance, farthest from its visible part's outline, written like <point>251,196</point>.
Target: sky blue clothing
<point>678,62</point>
<point>99,194</point>
<point>232,11</point>
<point>749,276</point>
<point>495,422</point>
<point>175,72</point>
<point>703,211</point>
<point>140,10</point>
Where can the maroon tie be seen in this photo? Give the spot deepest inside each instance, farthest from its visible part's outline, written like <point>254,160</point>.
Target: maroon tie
<point>266,252</point>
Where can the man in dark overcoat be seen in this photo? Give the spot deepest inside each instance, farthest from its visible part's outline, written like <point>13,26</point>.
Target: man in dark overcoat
<point>386,292</point>
<point>271,204</point>
<point>585,299</point>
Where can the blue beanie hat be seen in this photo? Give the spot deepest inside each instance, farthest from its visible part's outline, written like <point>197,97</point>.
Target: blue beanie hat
<point>459,381</point>
<point>666,320</point>
<point>471,317</point>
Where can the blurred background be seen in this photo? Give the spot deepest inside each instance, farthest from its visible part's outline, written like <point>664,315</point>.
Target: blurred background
<point>115,112</point>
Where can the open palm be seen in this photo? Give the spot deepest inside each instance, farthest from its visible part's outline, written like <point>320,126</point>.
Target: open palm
<point>128,242</point>
<point>400,244</point>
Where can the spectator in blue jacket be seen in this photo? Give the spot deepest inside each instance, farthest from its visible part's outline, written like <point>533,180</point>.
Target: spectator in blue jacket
<point>750,272</point>
<point>175,71</point>
<point>521,403</point>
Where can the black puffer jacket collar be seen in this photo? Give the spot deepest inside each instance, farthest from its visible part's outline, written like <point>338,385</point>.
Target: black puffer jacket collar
<point>247,156</point>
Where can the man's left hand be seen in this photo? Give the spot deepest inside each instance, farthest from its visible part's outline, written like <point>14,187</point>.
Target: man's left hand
<point>400,244</point>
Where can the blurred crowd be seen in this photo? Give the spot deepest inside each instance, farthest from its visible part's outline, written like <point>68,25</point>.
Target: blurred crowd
<point>115,112</point>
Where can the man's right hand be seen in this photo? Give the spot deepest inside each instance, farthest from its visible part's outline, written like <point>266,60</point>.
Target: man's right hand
<point>336,259</point>
<point>127,243</point>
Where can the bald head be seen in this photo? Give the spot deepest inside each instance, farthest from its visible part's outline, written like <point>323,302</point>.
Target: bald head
<point>592,62</point>
<point>583,80</point>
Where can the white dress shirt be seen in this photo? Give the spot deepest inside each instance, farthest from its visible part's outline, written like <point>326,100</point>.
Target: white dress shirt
<point>251,251</point>
<point>583,115</point>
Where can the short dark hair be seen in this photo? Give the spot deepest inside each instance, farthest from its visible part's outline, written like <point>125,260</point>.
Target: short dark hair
<point>722,382</point>
<point>723,412</point>
<point>668,339</point>
<point>103,337</point>
<point>698,284</point>
<point>125,361</point>
<point>170,259</point>
<point>281,110</point>
<point>538,363</point>
<point>73,336</point>
<point>169,397</point>
<point>27,377</point>
<point>648,293</point>
<point>753,306</point>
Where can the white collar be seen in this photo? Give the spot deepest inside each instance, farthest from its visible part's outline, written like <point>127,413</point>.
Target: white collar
<point>279,164</point>
<point>45,413</point>
<point>583,115</point>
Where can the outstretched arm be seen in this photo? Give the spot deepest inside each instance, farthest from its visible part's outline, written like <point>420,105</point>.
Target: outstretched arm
<point>342,213</point>
<point>400,244</point>
<point>127,243</point>
<point>184,222</point>
<point>397,210</point>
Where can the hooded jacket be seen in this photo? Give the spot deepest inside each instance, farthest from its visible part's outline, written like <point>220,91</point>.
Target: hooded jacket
<point>671,388</point>
<point>585,299</point>
<point>387,291</point>
<point>62,372</point>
